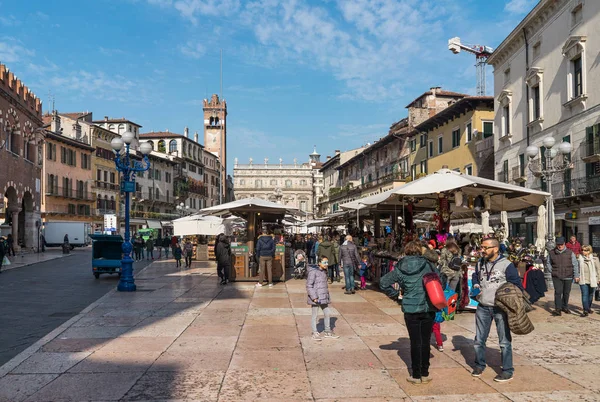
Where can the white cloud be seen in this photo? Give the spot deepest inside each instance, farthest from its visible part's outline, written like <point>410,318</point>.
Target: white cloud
<point>520,6</point>
<point>192,49</point>
<point>110,52</point>
<point>9,21</point>
<point>189,9</point>
<point>42,16</point>
<point>12,50</point>
<point>85,84</point>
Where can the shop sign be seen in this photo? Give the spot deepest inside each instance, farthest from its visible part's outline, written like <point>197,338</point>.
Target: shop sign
<point>594,220</point>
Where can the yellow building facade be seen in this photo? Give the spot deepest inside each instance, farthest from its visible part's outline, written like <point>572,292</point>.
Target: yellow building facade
<point>453,137</point>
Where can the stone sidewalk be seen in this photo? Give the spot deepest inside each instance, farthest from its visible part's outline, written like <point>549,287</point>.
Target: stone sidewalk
<point>183,337</point>
<point>22,259</point>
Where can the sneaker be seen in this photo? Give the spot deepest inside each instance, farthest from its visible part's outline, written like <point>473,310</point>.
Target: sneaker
<point>556,313</point>
<point>440,348</point>
<point>270,285</point>
<point>316,336</point>
<point>504,377</point>
<point>259,285</point>
<point>584,314</point>
<point>426,380</point>
<point>477,372</point>
<point>347,292</point>
<point>414,381</point>
<point>353,291</point>
<point>331,335</point>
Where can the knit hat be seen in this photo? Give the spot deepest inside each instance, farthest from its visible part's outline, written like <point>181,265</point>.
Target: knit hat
<point>432,242</point>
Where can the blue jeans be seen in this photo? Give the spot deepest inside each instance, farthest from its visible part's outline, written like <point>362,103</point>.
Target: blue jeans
<point>587,293</point>
<point>349,277</point>
<point>483,323</point>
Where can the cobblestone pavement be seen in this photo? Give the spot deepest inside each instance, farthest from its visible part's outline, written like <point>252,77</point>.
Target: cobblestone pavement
<point>183,337</point>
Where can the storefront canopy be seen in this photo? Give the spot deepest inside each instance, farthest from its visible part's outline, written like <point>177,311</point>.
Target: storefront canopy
<point>202,225</point>
<point>503,196</point>
<point>251,205</point>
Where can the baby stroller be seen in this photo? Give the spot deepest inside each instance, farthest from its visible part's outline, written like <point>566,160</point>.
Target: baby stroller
<point>299,264</point>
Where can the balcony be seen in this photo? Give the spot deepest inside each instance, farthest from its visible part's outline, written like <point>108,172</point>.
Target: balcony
<point>106,186</point>
<point>590,150</point>
<point>105,211</point>
<point>502,176</point>
<point>70,210</point>
<point>70,193</point>
<point>518,174</point>
<point>153,215</point>
<point>577,187</point>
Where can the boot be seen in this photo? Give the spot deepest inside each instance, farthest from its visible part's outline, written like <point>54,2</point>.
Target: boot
<point>337,278</point>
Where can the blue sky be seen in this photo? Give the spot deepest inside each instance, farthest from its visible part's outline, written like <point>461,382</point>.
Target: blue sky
<point>335,73</point>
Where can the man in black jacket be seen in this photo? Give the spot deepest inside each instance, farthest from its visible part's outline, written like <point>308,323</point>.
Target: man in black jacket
<point>223,256</point>
<point>265,250</point>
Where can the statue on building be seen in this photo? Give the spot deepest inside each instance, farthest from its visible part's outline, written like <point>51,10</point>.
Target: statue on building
<point>280,162</point>
<point>251,160</point>
<point>266,161</point>
<point>235,161</point>
<point>295,161</point>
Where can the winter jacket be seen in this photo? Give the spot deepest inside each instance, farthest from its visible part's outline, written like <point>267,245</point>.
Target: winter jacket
<point>535,285</point>
<point>336,253</point>
<point>409,275</point>
<point>316,286</point>
<point>515,303</point>
<point>149,244</point>
<point>223,252</point>
<point>188,249</point>
<point>574,247</point>
<point>562,264</point>
<point>265,246</point>
<point>326,250</point>
<point>349,256</point>
<point>177,253</point>
<point>300,245</point>
<point>363,268</point>
<point>490,275</point>
<point>589,270</point>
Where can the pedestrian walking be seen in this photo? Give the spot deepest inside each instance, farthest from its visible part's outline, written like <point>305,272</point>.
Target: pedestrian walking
<point>350,260</point>
<point>3,250</point>
<point>574,245</point>
<point>364,268</point>
<point>265,250</point>
<point>418,311</point>
<point>318,297</point>
<point>166,244</point>
<point>188,251</point>
<point>223,256</point>
<point>335,264</point>
<point>137,247</point>
<point>563,264</point>
<point>326,249</point>
<point>10,244</point>
<point>491,272</point>
<point>588,277</point>
<point>177,254</point>
<point>150,248</point>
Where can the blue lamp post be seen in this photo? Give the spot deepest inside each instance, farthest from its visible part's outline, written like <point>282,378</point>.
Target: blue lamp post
<point>129,168</point>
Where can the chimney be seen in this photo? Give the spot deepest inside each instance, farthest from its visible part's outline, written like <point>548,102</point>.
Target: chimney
<point>337,151</point>
<point>435,90</point>
<point>167,130</point>
<point>105,118</point>
<point>186,132</point>
<point>328,157</point>
<point>196,136</point>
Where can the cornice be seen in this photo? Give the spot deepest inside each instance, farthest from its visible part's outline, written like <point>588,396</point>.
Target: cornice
<point>545,11</point>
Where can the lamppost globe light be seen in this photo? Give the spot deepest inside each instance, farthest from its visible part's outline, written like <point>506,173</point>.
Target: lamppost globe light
<point>145,147</point>
<point>127,137</point>
<point>532,151</point>
<point>116,144</point>
<point>553,152</point>
<point>549,142</point>
<point>565,148</point>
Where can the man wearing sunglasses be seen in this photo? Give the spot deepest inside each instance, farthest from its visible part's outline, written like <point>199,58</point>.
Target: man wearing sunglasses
<point>491,272</point>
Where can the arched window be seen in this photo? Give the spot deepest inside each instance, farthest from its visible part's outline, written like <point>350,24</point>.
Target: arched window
<point>172,146</point>
<point>121,129</point>
<point>258,183</point>
<point>288,183</point>
<point>273,182</point>
<point>111,127</point>
<point>162,146</point>
<point>303,182</point>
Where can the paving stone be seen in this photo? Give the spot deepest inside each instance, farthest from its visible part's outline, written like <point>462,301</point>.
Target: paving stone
<point>379,329</point>
<point>586,375</point>
<point>17,387</point>
<point>203,343</point>
<point>188,386</point>
<point>116,362</point>
<point>358,308</point>
<point>369,319</point>
<point>196,361</point>
<point>51,363</point>
<point>553,396</point>
<point>289,359</point>
<point>347,384</point>
<point>94,332</point>
<point>461,397</point>
<point>256,320</point>
<point>522,381</point>
<point>270,342</point>
<point>263,385</point>
<point>362,359</point>
<point>87,387</point>
<point>446,381</point>
<point>205,329</point>
<point>60,345</point>
<point>279,302</point>
<point>158,344</point>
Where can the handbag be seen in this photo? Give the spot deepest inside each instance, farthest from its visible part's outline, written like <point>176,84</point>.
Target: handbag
<point>5,261</point>
<point>434,291</point>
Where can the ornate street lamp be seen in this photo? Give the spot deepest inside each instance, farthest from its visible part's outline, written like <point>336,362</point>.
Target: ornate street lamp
<point>129,168</point>
<point>183,209</point>
<point>556,161</point>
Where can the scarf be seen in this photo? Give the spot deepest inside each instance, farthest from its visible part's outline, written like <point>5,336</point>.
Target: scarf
<point>588,274</point>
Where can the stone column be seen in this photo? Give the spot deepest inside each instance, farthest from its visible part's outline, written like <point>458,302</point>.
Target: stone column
<point>15,229</point>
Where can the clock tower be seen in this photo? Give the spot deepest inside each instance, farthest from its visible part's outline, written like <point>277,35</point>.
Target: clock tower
<point>215,135</point>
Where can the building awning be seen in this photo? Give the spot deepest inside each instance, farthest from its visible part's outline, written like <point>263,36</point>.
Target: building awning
<point>153,224</point>
<point>590,210</point>
<point>515,215</point>
<point>166,223</point>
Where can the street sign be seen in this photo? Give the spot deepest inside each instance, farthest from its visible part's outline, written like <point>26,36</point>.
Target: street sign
<point>110,222</point>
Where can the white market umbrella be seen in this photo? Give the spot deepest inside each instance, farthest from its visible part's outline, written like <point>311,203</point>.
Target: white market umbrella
<point>503,196</point>
<point>251,204</point>
<point>542,228</point>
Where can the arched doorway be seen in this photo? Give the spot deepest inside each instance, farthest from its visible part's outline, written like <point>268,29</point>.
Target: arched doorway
<point>24,236</point>
<point>10,205</point>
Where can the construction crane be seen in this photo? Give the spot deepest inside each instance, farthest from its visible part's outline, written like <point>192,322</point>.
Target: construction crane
<point>481,55</point>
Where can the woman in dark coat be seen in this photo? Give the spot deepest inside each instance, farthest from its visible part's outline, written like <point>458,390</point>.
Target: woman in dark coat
<point>418,311</point>
<point>223,256</point>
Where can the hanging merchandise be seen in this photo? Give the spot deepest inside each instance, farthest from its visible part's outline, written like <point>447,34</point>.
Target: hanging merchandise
<point>478,203</point>
<point>487,202</point>
<point>471,202</point>
<point>442,214</point>
<point>458,198</point>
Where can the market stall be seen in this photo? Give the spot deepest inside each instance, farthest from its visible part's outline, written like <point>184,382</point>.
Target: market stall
<point>254,211</point>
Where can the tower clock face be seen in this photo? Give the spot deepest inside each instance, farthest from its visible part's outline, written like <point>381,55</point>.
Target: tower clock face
<point>211,139</point>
